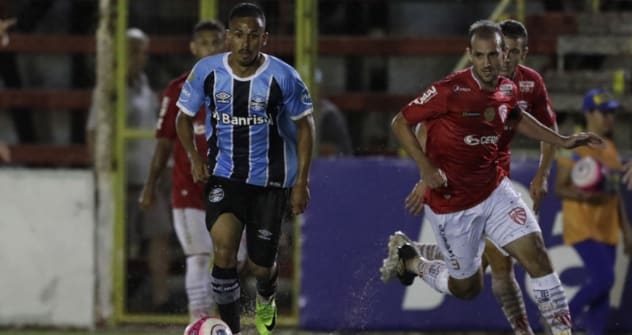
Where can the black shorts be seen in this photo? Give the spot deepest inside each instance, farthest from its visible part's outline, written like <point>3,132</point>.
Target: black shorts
<point>262,210</point>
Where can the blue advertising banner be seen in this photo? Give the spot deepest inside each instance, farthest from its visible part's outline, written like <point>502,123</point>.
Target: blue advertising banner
<point>357,203</point>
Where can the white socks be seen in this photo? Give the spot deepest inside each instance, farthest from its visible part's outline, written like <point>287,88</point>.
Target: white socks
<point>435,274</point>
<point>197,284</point>
<point>509,297</point>
<point>551,300</point>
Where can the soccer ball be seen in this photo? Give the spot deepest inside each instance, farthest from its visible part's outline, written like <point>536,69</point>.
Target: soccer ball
<point>588,175</point>
<point>208,326</point>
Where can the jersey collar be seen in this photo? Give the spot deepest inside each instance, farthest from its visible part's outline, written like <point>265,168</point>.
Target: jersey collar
<point>261,68</point>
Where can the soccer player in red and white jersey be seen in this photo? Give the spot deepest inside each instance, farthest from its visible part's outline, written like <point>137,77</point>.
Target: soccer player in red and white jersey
<point>468,197</point>
<point>187,197</point>
<point>533,98</point>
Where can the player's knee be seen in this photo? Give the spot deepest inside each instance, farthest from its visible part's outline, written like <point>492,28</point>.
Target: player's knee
<point>532,255</point>
<point>466,289</point>
<point>502,268</point>
<point>537,263</point>
<point>224,256</point>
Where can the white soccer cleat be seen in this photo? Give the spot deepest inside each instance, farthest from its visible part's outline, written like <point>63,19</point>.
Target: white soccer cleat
<point>398,239</point>
<point>428,251</point>
<point>399,250</point>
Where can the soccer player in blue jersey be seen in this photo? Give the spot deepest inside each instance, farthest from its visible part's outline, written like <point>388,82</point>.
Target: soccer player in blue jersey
<point>260,134</point>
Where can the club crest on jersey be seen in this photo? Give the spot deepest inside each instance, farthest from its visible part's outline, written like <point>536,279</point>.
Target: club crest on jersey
<point>503,110</point>
<point>258,103</point>
<point>489,114</point>
<point>185,94</point>
<point>216,194</point>
<point>518,215</point>
<point>526,86</point>
<point>222,97</point>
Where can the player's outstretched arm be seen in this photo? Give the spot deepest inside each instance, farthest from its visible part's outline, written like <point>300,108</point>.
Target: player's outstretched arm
<point>184,128</point>
<point>532,128</point>
<point>162,151</point>
<point>305,141</point>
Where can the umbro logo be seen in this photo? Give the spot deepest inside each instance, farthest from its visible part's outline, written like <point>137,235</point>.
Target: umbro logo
<point>222,97</point>
<point>264,234</point>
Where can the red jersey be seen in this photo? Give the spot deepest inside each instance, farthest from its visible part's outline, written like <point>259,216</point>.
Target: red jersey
<point>184,192</point>
<point>464,123</point>
<point>534,99</point>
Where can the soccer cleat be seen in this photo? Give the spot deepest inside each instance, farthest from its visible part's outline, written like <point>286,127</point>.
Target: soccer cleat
<point>399,251</point>
<point>265,315</point>
<point>425,250</point>
<point>398,239</point>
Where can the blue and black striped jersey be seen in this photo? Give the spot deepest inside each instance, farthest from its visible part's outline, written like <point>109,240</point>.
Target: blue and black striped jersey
<point>250,125</point>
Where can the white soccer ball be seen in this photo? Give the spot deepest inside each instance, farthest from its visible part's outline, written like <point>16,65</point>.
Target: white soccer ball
<point>208,326</point>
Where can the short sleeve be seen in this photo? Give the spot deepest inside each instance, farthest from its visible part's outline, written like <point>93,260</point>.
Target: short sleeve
<point>166,125</point>
<point>192,95</point>
<point>296,97</point>
<point>542,107</point>
<point>429,105</point>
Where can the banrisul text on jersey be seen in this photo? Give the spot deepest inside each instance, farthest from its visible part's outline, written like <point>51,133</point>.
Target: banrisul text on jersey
<point>250,125</point>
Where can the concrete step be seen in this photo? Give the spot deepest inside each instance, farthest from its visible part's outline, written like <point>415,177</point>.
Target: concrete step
<point>580,81</point>
<point>605,23</point>
<point>596,45</point>
<point>610,45</point>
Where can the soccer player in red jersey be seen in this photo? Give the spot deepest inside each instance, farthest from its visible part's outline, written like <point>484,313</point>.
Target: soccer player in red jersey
<point>469,198</point>
<point>187,197</point>
<point>534,99</point>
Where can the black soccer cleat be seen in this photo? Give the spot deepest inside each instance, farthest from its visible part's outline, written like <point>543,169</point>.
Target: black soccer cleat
<point>406,252</point>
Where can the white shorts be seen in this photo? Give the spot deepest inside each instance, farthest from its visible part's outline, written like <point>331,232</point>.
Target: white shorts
<point>190,226</point>
<point>502,218</point>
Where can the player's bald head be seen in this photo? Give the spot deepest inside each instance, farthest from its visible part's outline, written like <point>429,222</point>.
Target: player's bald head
<point>485,29</point>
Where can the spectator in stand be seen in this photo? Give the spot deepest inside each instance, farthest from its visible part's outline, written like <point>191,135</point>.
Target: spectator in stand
<point>153,224</point>
<point>333,134</point>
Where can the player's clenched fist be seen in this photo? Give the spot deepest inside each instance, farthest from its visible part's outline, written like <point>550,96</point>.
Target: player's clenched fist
<point>199,171</point>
